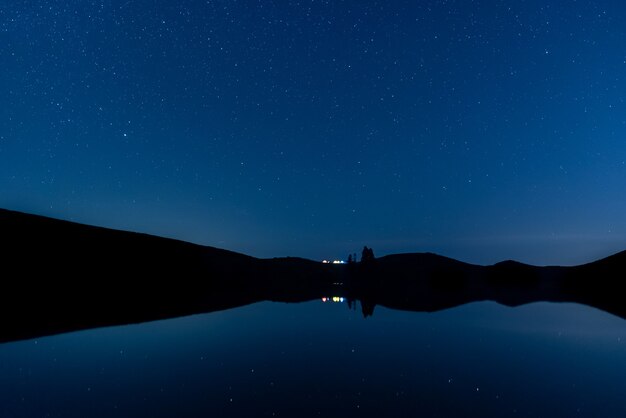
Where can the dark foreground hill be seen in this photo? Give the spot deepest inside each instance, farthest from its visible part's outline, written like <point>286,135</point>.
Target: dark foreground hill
<point>58,276</point>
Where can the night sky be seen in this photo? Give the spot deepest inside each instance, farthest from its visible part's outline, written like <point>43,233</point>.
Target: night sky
<point>479,130</point>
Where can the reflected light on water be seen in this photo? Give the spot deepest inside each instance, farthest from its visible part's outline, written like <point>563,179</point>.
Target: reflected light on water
<point>336,299</point>
<point>480,359</point>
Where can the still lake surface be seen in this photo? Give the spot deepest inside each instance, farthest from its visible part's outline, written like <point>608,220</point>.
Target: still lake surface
<point>323,359</point>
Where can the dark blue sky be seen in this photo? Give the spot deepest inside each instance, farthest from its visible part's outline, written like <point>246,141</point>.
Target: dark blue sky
<point>480,130</point>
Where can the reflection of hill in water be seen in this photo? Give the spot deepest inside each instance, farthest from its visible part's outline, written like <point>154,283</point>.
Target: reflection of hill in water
<point>60,276</point>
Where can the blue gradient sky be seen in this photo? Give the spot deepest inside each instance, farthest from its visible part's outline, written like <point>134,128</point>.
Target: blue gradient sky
<point>480,130</point>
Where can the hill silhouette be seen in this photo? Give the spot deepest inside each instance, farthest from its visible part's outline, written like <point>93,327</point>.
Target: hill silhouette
<point>60,276</point>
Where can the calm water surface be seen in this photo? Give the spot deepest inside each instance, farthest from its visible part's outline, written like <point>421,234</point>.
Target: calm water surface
<point>322,359</point>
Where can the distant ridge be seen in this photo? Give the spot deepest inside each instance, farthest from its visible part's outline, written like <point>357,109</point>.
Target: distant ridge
<point>60,276</point>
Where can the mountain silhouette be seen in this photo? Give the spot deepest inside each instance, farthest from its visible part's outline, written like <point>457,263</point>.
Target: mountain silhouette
<point>60,276</point>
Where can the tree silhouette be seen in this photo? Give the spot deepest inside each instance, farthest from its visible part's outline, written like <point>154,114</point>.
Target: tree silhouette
<point>367,255</point>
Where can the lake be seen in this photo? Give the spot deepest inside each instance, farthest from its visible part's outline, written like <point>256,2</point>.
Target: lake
<point>323,359</point>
